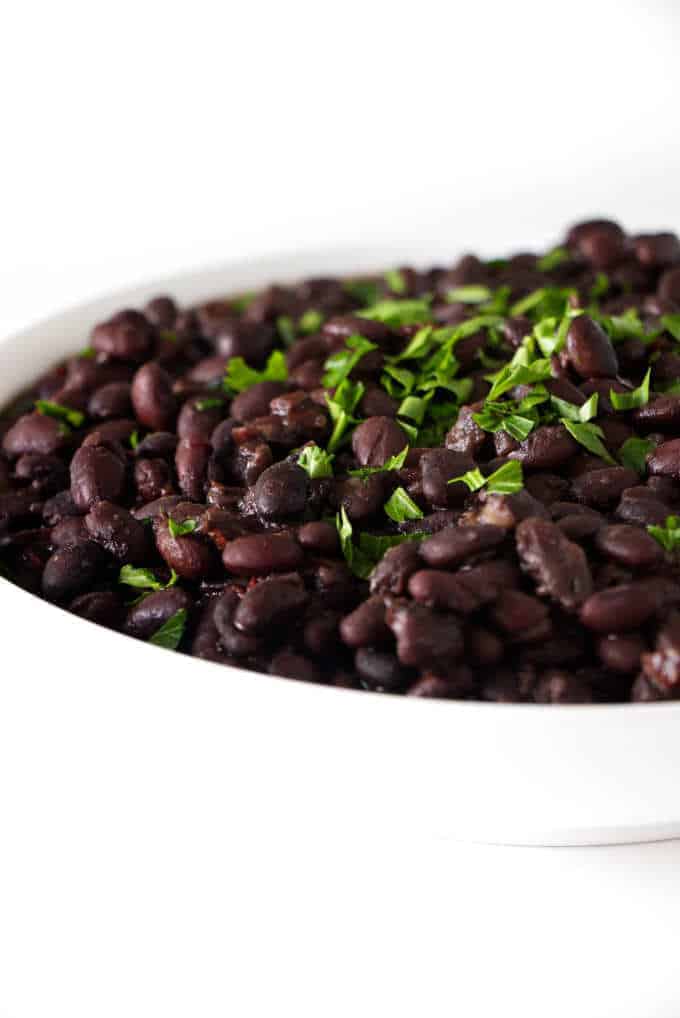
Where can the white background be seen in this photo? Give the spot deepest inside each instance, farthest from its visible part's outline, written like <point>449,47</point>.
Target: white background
<point>143,138</point>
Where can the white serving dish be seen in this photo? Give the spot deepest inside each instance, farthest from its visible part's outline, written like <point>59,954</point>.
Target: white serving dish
<point>290,756</point>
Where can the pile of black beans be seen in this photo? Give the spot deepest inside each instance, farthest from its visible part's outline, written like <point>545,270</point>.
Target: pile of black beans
<point>311,481</point>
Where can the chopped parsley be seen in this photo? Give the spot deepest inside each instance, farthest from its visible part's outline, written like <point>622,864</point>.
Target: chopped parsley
<point>286,330</point>
<point>341,406</point>
<point>134,439</point>
<point>507,480</point>
<point>181,529</point>
<point>242,302</point>
<point>571,412</point>
<point>144,579</point>
<point>395,313</point>
<point>553,259</point>
<point>671,323</point>
<point>210,403</point>
<point>357,560</point>
<point>668,536</point>
<point>590,436</point>
<point>310,321</point>
<point>400,507</point>
<point>67,416</point>
<point>519,374</point>
<point>171,632</point>
<point>365,291</point>
<point>340,364</point>
<point>240,376</point>
<point>393,463</point>
<point>315,461</point>
<point>395,281</point>
<point>634,452</point>
<point>630,400</point>
<point>469,294</point>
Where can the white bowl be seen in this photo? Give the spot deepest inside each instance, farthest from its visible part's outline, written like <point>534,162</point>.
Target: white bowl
<point>295,756</point>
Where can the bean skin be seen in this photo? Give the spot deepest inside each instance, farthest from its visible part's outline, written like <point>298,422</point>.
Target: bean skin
<point>630,546</point>
<point>621,653</point>
<point>103,607</point>
<point>453,545</point>
<point>69,570</point>
<point>590,349</point>
<point>558,566</point>
<point>254,402</point>
<point>117,531</point>
<point>561,687</point>
<point>34,433</point>
<point>97,474</point>
<point>377,439</point>
<point>112,400</point>
<point>147,616</point>
<point>194,422</point>
<point>522,618</point>
<point>281,491</point>
<point>270,603</point>
<point>319,537</point>
<point>603,487</point>
<point>366,625</point>
<point>437,468</point>
<point>380,670</point>
<point>619,609</point>
<point>191,557</point>
<point>424,639</point>
<point>259,554</point>
<point>546,448</point>
<point>152,397</point>
<point>665,459</point>
<point>289,665</point>
<point>191,463</point>
<point>127,336</point>
<point>392,573</point>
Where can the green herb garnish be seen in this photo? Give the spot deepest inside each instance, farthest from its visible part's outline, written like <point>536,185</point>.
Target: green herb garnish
<point>671,323</point>
<point>393,463</point>
<point>668,536</point>
<point>507,480</point>
<point>209,403</point>
<point>241,376</point>
<point>340,364</point>
<point>171,632</point>
<point>357,560</point>
<point>634,452</point>
<point>396,313</point>
<point>630,400</point>
<point>286,330</point>
<point>395,281</point>
<point>365,291</point>
<point>310,321</point>
<point>471,294</point>
<point>72,418</point>
<point>317,462</point>
<point>571,412</point>
<point>181,529</point>
<point>144,579</point>
<point>558,256</point>
<point>590,436</point>
<point>341,406</point>
<point>400,507</point>
<point>134,439</point>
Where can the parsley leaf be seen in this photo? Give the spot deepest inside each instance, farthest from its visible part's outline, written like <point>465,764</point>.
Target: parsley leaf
<point>600,286</point>
<point>144,579</point>
<point>544,302</point>
<point>668,536</point>
<point>341,406</point>
<point>631,400</point>
<point>341,363</point>
<point>358,561</point>
<point>171,632</point>
<point>243,301</point>
<point>519,374</point>
<point>65,414</point>
<point>134,439</point>
<point>286,330</point>
<point>671,323</point>
<point>374,546</point>
<point>633,453</point>
<point>317,462</point>
<point>210,403</point>
<point>400,507</point>
<point>241,376</point>
<point>572,412</point>
<point>365,291</point>
<point>180,529</point>
<point>393,463</point>
<point>551,260</point>
<point>419,346</point>
<point>395,280</point>
<point>469,294</point>
<point>590,436</point>
<point>310,321</point>
<point>507,480</point>
<point>396,313</point>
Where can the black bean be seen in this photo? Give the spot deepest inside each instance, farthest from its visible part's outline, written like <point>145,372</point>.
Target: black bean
<point>657,249</point>
<point>603,487</point>
<point>437,468</point>
<point>522,618</point>
<point>380,670</point>
<point>103,607</point>
<point>630,546</point>
<point>463,592</point>
<point>127,336</point>
<point>69,570</point>
<point>659,415</point>
<point>147,616</point>
<point>289,665</point>
<point>366,625</point>
<point>162,311</point>
<point>152,479</point>
<point>466,436</point>
<point>69,531</point>
<point>561,687</point>
<point>191,463</point>
<point>97,474</point>
<point>453,545</point>
<point>46,474</point>
<point>152,397</point>
<point>259,554</point>
<point>662,666</point>
<point>621,653</point>
<point>319,537</point>
<point>424,639</point>
<point>281,491</point>
<point>376,440</point>
<point>601,241</point>
<point>619,609</point>
<point>545,448</point>
<point>669,286</point>
<point>590,349</point>
<point>117,531</point>
<point>665,459</point>
<point>254,402</point>
<point>245,339</point>
<point>112,400</point>
<point>360,497</point>
<point>558,566</point>
<point>270,603</point>
<point>34,433</point>
<point>320,634</point>
<point>192,557</point>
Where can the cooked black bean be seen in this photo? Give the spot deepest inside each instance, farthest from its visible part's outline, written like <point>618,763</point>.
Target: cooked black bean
<point>528,555</point>
<point>152,397</point>
<point>118,532</point>
<point>270,603</point>
<point>147,616</point>
<point>97,474</point>
<point>453,545</point>
<point>70,570</point>
<point>590,350</point>
<point>558,566</point>
<point>281,491</point>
